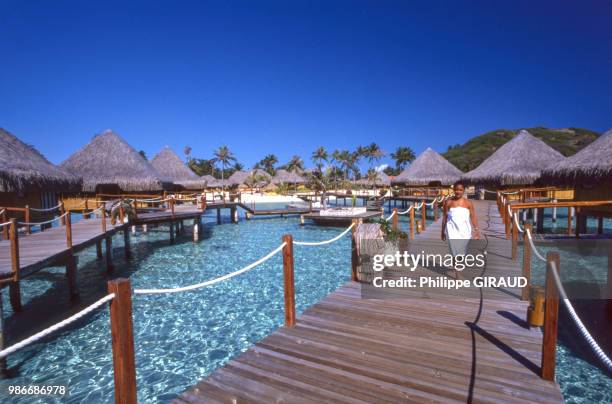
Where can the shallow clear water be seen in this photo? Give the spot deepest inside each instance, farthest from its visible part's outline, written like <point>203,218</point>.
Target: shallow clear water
<point>181,338</point>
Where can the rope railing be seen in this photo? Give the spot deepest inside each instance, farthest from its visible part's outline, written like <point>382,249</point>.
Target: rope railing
<point>516,222</point>
<point>533,247</point>
<point>213,281</point>
<point>331,240</point>
<point>4,224</point>
<point>406,211</point>
<point>39,335</point>
<point>59,205</point>
<point>390,216</point>
<point>583,330</point>
<point>43,223</point>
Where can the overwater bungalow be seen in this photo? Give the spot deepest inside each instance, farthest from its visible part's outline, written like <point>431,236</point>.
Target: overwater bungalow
<point>589,172</point>
<point>287,177</point>
<point>382,181</point>
<point>108,164</point>
<point>518,163</point>
<point>172,169</point>
<point>28,178</point>
<point>428,174</point>
<point>242,179</point>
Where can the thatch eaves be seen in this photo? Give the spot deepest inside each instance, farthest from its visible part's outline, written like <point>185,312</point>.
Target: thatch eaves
<point>428,168</point>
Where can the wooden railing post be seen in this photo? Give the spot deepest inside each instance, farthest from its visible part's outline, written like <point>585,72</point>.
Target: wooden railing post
<point>289,282</point>
<point>551,318</point>
<point>526,262</point>
<point>172,205</point>
<point>103,218</point>
<point>124,363</point>
<point>435,210</point>
<point>412,223</point>
<point>27,219</point>
<point>62,211</point>
<point>14,288</point>
<point>423,214</point>
<point>68,231</point>
<point>514,234</point>
<point>5,229</point>
<point>394,219</point>
<point>354,254</point>
<point>203,202</point>
<point>121,212</point>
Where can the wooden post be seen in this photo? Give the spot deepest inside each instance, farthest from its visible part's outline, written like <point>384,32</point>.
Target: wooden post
<point>570,213</point>
<point>172,205</point>
<point>121,213</point>
<point>423,214</point>
<point>540,221</point>
<point>289,281</point>
<point>103,219</point>
<point>109,254</point>
<point>124,363</point>
<point>600,225</point>
<point>126,242</point>
<point>218,216</point>
<point>435,210</point>
<point>171,225</point>
<point>551,318</point>
<point>577,224</point>
<point>412,223</point>
<point>62,211</point>
<point>354,254</point>
<point>526,262</point>
<point>99,249</point>
<point>3,367</point>
<point>27,219</point>
<point>203,202</point>
<point>71,276</point>
<point>394,219</point>
<point>5,229</point>
<point>68,231</point>
<point>514,234</point>
<point>14,287</point>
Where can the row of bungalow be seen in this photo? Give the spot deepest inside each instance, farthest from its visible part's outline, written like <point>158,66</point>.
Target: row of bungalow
<point>108,164</point>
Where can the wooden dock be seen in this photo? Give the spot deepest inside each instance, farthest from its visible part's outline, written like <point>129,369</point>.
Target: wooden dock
<point>349,349</point>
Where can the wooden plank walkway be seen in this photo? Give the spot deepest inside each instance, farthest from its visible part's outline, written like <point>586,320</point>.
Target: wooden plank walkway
<point>349,349</point>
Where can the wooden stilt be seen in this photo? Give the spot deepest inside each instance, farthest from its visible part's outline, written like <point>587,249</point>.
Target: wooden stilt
<point>289,286</point>
<point>600,225</point>
<point>108,243</point>
<point>540,220</point>
<point>71,277</point>
<point>14,287</point>
<point>171,225</point>
<point>218,216</point>
<point>423,214</point>
<point>126,242</point>
<point>412,226</point>
<point>99,249</point>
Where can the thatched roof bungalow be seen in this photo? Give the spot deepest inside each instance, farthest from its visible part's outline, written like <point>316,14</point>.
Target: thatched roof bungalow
<point>382,180</point>
<point>591,165</point>
<point>240,178</point>
<point>28,178</point>
<point>172,169</point>
<point>518,162</point>
<point>429,169</point>
<point>287,177</point>
<point>109,164</point>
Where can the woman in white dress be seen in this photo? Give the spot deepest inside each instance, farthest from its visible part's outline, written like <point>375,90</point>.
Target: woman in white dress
<point>459,223</point>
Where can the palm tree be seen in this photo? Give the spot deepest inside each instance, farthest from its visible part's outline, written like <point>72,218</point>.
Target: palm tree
<point>402,156</point>
<point>224,156</point>
<point>374,153</point>
<point>268,163</point>
<point>295,164</point>
<point>187,151</point>
<point>238,166</point>
<point>319,156</point>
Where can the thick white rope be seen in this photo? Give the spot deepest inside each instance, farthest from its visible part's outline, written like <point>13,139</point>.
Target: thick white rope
<point>390,216</point>
<point>533,247</point>
<point>45,222</point>
<point>583,330</point>
<point>48,209</point>
<point>518,226</point>
<point>406,211</point>
<point>331,240</point>
<point>510,193</point>
<point>55,327</point>
<point>213,281</point>
<point>509,210</point>
<point>491,192</point>
<point>4,224</point>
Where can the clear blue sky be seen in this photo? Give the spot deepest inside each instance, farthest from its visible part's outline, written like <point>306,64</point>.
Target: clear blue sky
<point>285,77</point>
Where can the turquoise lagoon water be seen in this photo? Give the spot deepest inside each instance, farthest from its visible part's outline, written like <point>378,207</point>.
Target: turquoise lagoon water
<point>181,338</point>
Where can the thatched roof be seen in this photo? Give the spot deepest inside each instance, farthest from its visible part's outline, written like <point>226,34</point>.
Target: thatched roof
<point>518,162</point>
<point>429,167</point>
<point>287,177</point>
<point>382,180</point>
<point>240,177</point>
<point>591,164</point>
<point>110,160</point>
<point>23,168</point>
<point>172,169</point>
<point>211,182</point>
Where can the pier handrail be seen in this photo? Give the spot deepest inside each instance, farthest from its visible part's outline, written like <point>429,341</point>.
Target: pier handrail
<point>331,240</point>
<point>39,335</point>
<point>212,281</point>
<point>58,206</point>
<point>570,308</point>
<point>45,222</point>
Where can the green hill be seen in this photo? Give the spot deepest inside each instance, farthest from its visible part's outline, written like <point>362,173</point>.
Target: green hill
<point>469,155</point>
